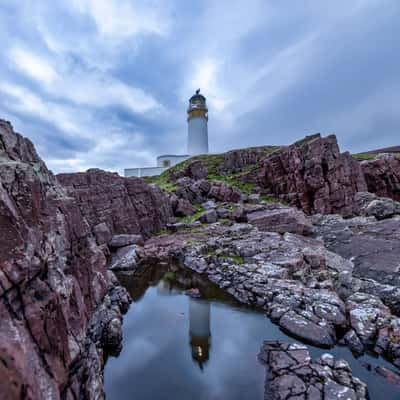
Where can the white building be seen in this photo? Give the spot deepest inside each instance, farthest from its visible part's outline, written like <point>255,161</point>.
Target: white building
<point>197,141</point>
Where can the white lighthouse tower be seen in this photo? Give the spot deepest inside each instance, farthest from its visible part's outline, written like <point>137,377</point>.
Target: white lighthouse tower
<point>197,125</point>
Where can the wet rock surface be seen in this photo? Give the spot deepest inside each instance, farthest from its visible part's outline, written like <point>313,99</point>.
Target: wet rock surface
<point>292,374</point>
<point>309,291</point>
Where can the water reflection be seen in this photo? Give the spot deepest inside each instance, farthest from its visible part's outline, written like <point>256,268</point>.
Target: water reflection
<point>177,347</point>
<point>199,330</point>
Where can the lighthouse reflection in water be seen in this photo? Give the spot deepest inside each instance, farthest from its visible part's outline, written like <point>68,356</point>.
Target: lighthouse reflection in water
<point>199,330</point>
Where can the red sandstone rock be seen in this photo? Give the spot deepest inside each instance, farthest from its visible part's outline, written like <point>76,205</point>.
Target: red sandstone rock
<point>313,175</point>
<point>383,176</point>
<point>52,275</point>
<point>126,205</point>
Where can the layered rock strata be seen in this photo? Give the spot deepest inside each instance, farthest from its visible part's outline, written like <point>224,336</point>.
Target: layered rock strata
<point>116,205</point>
<point>53,278</point>
<point>382,175</point>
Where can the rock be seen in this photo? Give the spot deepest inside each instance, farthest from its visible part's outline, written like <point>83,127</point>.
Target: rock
<point>53,279</point>
<point>177,227</point>
<point>309,331</point>
<point>184,208</point>
<point>367,315</point>
<point>236,160</point>
<point>123,240</point>
<point>208,217</point>
<point>289,276</point>
<point>102,233</point>
<point>383,176</point>
<point>192,169</point>
<point>292,374</point>
<point>313,175</point>
<point>239,214</point>
<point>223,212</point>
<point>336,391</point>
<point>254,198</point>
<point>354,342</point>
<point>277,218</point>
<point>125,258</point>
<point>221,191</point>
<point>194,292</point>
<point>370,205</point>
<point>208,205</point>
<point>112,336</point>
<point>126,205</point>
<point>373,246</point>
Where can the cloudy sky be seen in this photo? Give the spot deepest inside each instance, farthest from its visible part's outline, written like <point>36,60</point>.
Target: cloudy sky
<point>105,83</point>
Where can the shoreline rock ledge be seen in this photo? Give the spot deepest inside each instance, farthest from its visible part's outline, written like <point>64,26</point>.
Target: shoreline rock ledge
<point>293,375</point>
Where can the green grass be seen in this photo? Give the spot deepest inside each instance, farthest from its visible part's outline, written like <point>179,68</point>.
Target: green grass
<point>370,156</point>
<point>162,182</point>
<point>238,259</point>
<point>191,218</point>
<point>162,232</point>
<point>213,162</point>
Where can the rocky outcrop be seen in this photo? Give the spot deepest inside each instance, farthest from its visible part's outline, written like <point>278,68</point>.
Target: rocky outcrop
<point>291,277</point>
<point>382,175</point>
<point>307,290</point>
<point>235,161</point>
<point>125,205</point>
<point>278,218</point>
<point>193,170</point>
<point>53,278</point>
<point>293,375</point>
<point>373,246</point>
<point>313,175</point>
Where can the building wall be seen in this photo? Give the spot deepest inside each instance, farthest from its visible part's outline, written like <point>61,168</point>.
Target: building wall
<point>140,172</point>
<point>172,158</point>
<point>197,136</point>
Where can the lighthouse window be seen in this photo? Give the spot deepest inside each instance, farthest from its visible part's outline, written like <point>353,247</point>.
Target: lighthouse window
<point>166,163</point>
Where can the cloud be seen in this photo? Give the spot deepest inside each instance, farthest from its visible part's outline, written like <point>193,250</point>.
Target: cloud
<point>80,86</point>
<point>119,19</point>
<point>105,83</point>
<point>32,65</point>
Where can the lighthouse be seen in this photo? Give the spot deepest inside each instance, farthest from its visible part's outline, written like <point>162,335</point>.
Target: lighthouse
<point>197,117</point>
<point>197,140</point>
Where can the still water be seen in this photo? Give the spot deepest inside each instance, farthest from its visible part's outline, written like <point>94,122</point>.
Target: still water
<point>177,347</point>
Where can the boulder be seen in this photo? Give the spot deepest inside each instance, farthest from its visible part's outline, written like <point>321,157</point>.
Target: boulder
<point>307,330</point>
<point>370,205</point>
<point>208,217</point>
<point>184,208</point>
<point>125,259</point>
<point>193,169</point>
<point>278,218</point>
<point>123,240</point>
<point>221,191</point>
